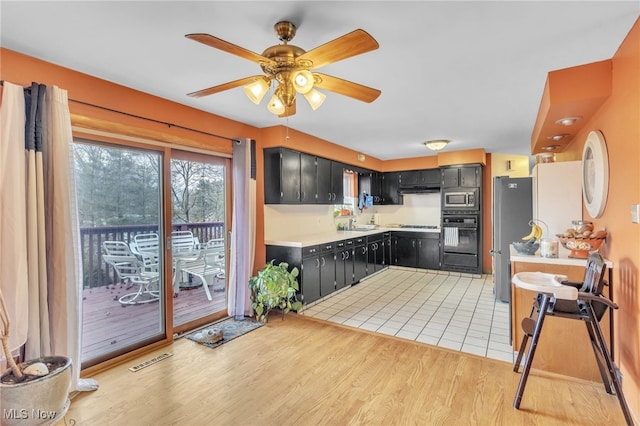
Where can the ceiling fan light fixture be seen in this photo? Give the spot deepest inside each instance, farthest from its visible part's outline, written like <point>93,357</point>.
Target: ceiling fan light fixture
<point>436,144</point>
<point>255,91</point>
<point>302,81</point>
<point>275,105</point>
<point>315,98</point>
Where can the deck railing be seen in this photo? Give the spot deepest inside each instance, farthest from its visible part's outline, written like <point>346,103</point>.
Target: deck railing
<point>97,273</point>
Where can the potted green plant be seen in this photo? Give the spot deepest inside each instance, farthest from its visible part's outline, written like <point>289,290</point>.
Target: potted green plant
<point>34,392</point>
<point>274,287</point>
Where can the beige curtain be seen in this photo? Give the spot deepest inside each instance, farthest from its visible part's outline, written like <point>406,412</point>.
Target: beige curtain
<point>243,234</point>
<point>13,222</point>
<point>49,241</point>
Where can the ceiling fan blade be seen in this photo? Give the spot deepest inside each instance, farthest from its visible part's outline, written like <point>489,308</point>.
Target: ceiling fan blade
<point>225,86</point>
<point>346,88</point>
<point>218,43</point>
<point>289,110</point>
<point>352,44</point>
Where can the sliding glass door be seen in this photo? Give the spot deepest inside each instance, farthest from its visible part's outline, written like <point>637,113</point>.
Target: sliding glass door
<point>198,238</point>
<point>119,192</point>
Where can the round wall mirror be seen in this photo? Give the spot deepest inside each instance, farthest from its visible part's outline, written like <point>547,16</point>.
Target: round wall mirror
<point>595,174</point>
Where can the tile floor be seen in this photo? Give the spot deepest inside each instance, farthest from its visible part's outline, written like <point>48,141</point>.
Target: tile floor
<point>455,311</point>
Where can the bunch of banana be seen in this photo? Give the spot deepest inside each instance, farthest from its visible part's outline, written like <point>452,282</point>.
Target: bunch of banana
<point>534,235</point>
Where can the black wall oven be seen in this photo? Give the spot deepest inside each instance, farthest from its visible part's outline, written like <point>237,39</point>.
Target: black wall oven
<point>461,241</point>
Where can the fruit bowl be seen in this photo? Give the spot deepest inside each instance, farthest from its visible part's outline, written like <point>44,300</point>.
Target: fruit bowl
<point>526,248</point>
<point>580,247</point>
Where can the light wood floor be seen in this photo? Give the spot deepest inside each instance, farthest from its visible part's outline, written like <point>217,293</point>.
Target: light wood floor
<point>304,371</point>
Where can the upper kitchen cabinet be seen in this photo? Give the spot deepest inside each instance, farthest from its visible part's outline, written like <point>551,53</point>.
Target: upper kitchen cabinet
<point>426,177</point>
<point>290,177</point>
<point>462,176</point>
<point>330,181</point>
<point>389,185</point>
<point>419,181</point>
<point>370,183</point>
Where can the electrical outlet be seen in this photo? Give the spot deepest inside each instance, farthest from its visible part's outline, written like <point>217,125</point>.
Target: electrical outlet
<point>635,213</point>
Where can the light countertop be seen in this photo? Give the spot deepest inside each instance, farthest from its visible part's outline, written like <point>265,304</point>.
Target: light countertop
<point>326,237</point>
<point>562,259</point>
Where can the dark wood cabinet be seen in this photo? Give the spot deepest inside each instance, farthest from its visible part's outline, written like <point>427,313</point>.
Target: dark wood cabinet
<point>327,269</point>
<point>309,279</point>
<point>429,252</point>
<point>337,182</point>
<point>290,177</point>
<point>429,178</point>
<point>370,183</point>
<point>388,252</point>
<point>330,188</point>
<point>359,259</point>
<point>344,263</point>
<point>375,254</point>
<point>462,176</point>
<point>416,249</point>
<point>308,179</point>
<point>389,185</point>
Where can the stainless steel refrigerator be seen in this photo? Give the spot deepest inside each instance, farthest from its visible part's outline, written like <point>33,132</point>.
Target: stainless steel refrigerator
<point>512,210</point>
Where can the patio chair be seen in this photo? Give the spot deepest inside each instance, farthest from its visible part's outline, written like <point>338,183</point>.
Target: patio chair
<point>135,271</point>
<point>207,264</point>
<point>184,241</point>
<point>145,244</point>
<point>582,301</point>
<point>220,260</point>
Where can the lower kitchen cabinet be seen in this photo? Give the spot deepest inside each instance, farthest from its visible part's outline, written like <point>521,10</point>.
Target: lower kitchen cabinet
<point>344,263</point>
<point>328,267</point>
<point>416,249</point>
<point>375,254</point>
<point>309,279</point>
<point>359,259</point>
<point>327,261</point>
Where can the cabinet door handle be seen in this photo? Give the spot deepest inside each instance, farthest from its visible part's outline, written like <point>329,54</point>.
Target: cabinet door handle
<point>317,263</point>
<point>323,261</point>
<point>297,195</point>
<point>419,243</point>
<point>329,196</point>
<point>347,255</point>
<point>364,250</point>
<point>413,243</point>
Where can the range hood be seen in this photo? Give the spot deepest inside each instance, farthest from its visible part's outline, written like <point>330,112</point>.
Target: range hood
<point>418,189</point>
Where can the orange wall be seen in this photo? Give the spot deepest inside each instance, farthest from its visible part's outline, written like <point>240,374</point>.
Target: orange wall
<point>619,121</point>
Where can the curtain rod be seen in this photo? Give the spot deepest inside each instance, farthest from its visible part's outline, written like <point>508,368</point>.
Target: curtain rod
<point>146,118</point>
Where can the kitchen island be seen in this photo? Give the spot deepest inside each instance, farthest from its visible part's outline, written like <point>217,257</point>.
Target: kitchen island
<point>564,347</point>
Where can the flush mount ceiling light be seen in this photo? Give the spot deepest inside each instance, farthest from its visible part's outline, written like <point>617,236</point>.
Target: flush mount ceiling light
<point>436,144</point>
<point>551,147</point>
<point>568,121</point>
<point>289,68</point>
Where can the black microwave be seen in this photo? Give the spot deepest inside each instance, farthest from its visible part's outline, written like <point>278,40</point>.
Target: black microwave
<point>461,199</point>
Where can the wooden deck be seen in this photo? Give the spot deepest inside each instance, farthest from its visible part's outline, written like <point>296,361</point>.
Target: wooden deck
<point>109,326</point>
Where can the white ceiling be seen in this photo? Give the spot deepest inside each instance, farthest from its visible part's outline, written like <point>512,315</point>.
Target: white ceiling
<point>472,72</point>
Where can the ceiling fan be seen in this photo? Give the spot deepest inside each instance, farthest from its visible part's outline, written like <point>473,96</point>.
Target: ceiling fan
<point>290,68</point>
